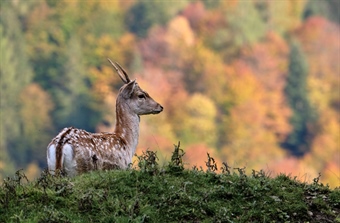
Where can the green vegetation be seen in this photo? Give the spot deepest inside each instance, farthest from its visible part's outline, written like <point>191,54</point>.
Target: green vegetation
<point>230,78</point>
<point>296,91</point>
<point>170,193</point>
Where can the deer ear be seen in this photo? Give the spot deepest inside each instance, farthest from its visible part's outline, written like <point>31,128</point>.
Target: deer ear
<point>129,89</point>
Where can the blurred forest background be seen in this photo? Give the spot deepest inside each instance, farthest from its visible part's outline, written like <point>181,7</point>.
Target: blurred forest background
<point>253,82</point>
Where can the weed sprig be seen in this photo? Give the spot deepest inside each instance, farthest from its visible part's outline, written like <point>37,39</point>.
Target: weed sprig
<point>172,193</point>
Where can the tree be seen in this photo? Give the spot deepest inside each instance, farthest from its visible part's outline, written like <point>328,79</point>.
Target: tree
<point>281,16</point>
<point>268,61</point>
<point>15,74</point>
<point>319,40</point>
<point>298,141</point>
<point>242,25</point>
<point>61,60</point>
<point>144,14</point>
<point>75,105</point>
<point>36,127</point>
<point>199,115</point>
<point>328,9</point>
<point>195,13</point>
<point>246,140</point>
<point>246,23</point>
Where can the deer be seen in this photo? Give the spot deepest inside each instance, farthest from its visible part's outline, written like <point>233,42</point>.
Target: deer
<point>75,151</point>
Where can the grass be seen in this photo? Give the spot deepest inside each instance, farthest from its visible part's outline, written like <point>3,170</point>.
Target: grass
<point>171,193</point>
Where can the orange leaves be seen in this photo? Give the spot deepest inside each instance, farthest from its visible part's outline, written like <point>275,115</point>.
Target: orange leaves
<point>317,30</point>
<point>294,167</point>
<point>331,173</point>
<point>320,40</point>
<point>326,143</point>
<point>103,80</point>
<point>257,116</point>
<point>268,61</point>
<point>248,92</point>
<point>196,155</point>
<point>194,12</point>
<point>243,84</point>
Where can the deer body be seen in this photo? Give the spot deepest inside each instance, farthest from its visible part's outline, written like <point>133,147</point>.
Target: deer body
<point>74,151</point>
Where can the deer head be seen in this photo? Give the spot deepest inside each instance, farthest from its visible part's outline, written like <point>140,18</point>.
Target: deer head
<point>138,101</point>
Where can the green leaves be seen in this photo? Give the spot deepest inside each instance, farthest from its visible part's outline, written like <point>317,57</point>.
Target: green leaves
<point>299,140</point>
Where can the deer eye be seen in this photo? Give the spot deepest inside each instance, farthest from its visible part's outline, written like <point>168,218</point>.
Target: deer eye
<point>141,96</point>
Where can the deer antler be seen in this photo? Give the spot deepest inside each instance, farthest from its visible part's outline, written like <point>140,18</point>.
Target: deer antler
<point>121,72</point>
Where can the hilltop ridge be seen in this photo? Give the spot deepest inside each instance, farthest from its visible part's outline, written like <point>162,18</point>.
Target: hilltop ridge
<point>148,193</point>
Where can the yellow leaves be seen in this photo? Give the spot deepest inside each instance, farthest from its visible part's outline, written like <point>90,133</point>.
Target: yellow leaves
<point>2,165</point>
<point>118,50</point>
<point>230,5</point>
<point>244,88</point>
<point>326,143</point>
<point>36,105</point>
<point>267,62</point>
<point>285,15</point>
<point>104,77</point>
<point>179,33</point>
<point>32,171</point>
<point>179,39</point>
<point>35,109</point>
<point>199,120</point>
<point>319,92</point>
<point>201,107</point>
<point>103,81</point>
<point>249,141</point>
<point>295,11</point>
<point>244,85</point>
<point>107,47</point>
<point>109,5</point>
<point>204,71</point>
<point>320,41</point>
<point>331,174</point>
<point>85,9</point>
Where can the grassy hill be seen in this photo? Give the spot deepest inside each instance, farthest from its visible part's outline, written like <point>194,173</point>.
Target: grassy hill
<point>171,193</point>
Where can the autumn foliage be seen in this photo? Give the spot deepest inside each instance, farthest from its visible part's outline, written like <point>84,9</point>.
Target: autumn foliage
<point>223,71</point>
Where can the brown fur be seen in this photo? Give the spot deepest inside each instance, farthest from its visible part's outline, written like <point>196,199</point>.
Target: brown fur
<point>59,149</point>
<point>78,151</point>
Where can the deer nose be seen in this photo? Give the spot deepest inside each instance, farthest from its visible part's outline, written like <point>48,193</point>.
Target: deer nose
<point>161,108</point>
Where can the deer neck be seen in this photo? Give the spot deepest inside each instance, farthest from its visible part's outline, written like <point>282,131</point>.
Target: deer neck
<point>127,126</point>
